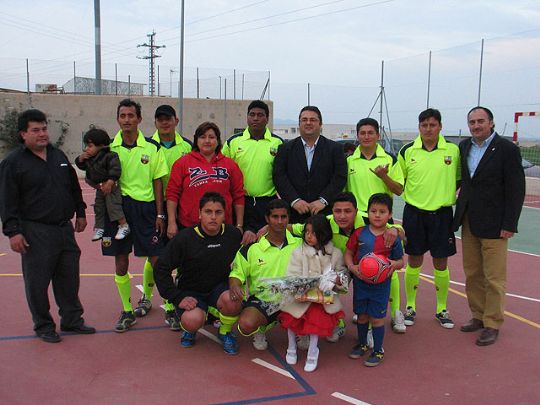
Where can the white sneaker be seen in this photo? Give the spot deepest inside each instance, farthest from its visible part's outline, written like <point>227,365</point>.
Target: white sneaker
<point>339,331</point>
<point>302,342</point>
<point>370,342</point>
<point>291,357</point>
<point>355,318</point>
<point>123,231</point>
<point>398,322</point>
<point>98,234</point>
<point>259,341</point>
<point>311,362</point>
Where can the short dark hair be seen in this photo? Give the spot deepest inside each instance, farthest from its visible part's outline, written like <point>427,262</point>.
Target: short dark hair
<point>346,196</point>
<point>28,116</point>
<point>321,228</point>
<point>127,102</point>
<point>98,137</point>
<point>211,196</point>
<point>381,198</point>
<point>201,129</point>
<point>311,108</point>
<point>485,109</point>
<point>367,121</point>
<point>259,104</point>
<point>276,204</point>
<point>430,113</point>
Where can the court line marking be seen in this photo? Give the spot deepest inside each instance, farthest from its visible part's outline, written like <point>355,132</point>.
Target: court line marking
<point>349,399</point>
<point>210,336</point>
<point>3,254</point>
<point>507,313</point>
<point>523,297</point>
<point>271,367</point>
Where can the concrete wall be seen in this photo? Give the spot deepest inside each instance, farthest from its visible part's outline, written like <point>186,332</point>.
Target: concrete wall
<point>75,113</point>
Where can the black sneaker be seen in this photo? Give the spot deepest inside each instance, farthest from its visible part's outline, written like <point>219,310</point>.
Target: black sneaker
<point>126,321</point>
<point>374,359</point>
<point>410,316</point>
<point>143,307</point>
<point>171,319</point>
<point>358,351</point>
<point>444,319</point>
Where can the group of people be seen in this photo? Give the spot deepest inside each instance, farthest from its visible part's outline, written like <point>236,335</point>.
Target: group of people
<point>223,216</point>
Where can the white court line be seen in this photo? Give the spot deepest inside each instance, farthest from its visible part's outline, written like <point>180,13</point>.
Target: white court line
<point>514,251</point>
<point>210,336</point>
<point>348,399</point>
<point>272,367</point>
<point>140,288</point>
<point>507,294</point>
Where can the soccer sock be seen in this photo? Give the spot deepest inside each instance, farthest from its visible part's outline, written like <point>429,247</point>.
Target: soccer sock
<point>362,329</point>
<point>313,349</point>
<point>394,293</point>
<point>412,278</point>
<point>292,340</point>
<point>124,290</point>
<point>148,279</point>
<point>378,338</point>
<point>168,306</point>
<point>227,323</point>
<point>341,323</point>
<point>442,283</point>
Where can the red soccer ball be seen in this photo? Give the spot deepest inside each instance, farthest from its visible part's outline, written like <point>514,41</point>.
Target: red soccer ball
<point>374,269</point>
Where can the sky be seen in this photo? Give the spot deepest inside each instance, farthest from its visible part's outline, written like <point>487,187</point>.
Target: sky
<point>335,46</point>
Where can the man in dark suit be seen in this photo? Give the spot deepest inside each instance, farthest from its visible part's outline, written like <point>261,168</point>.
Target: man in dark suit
<point>309,170</point>
<point>488,208</point>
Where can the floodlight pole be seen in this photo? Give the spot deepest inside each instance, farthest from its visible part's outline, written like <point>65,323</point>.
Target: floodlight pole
<point>181,71</point>
<point>97,30</point>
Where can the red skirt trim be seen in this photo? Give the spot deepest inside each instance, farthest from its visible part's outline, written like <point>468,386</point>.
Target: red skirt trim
<point>315,321</point>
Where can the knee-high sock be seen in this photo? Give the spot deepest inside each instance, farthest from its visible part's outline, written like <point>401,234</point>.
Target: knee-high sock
<point>412,279</point>
<point>124,290</point>
<point>227,323</point>
<point>168,306</point>
<point>395,297</point>
<point>313,349</point>
<point>362,329</point>
<point>148,279</point>
<point>292,340</point>
<point>378,338</point>
<point>442,283</point>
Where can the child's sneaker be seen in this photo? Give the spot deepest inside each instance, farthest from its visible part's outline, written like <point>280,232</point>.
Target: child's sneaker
<point>444,319</point>
<point>291,357</point>
<point>358,351</point>
<point>259,341</point>
<point>123,231</point>
<point>398,322</point>
<point>171,319</point>
<point>374,359</point>
<point>229,343</point>
<point>410,316</point>
<point>126,321</point>
<point>188,339</point>
<point>98,234</point>
<point>143,307</point>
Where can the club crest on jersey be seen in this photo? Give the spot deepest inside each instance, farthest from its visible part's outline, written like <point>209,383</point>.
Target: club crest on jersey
<point>106,241</point>
<point>448,160</point>
<point>198,175</point>
<point>145,159</point>
<point>273,151</point>
<point>261,262</point>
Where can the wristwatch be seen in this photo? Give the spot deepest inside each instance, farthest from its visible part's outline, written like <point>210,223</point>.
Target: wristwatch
<point>161,216</point>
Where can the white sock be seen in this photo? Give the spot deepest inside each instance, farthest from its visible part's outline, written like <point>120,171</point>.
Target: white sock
<point>292,340</point>
<point>313,349</point>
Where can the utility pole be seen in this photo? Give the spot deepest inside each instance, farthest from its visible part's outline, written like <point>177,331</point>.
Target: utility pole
<point>152,47</point>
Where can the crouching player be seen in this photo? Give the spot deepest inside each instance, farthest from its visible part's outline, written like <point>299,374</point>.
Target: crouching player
<point>203,255</point>
<point>371,300</point>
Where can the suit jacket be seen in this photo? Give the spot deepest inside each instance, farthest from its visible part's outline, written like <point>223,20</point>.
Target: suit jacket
<point>493,198</point>
<point>326,178</point>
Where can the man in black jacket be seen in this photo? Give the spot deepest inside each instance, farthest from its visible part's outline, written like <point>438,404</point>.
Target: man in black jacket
<point>488,208</point>
<point>309,170</point>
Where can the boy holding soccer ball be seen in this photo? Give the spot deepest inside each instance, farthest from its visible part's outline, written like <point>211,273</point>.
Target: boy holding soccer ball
<point>371,291</point>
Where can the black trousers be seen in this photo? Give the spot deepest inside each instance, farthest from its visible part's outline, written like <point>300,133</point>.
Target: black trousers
<point>53,256</point>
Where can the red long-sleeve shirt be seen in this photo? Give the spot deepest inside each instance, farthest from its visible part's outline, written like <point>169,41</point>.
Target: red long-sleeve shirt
<point>192,176</point>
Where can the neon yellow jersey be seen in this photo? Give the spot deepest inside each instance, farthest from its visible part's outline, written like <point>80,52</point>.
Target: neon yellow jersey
<point>255,159</point>
<point>140,166</point>
<point>363,183</point>
<point>180,147</point>
<point>262,260</point>
<point>430,177</point>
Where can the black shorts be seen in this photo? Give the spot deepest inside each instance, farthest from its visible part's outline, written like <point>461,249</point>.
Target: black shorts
<point>143,238</point>
<point>429,230</point>
<point>254,212</point>
<point>204,300</point>
<point>263,307</point>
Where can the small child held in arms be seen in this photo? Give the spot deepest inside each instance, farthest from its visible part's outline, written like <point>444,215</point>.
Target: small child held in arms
<point>103,170</point>
<point>316,255</point>
<point>371,300</point>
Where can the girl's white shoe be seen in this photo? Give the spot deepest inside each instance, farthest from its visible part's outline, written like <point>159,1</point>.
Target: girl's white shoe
<point>291,356</point>
<point>311,362</point>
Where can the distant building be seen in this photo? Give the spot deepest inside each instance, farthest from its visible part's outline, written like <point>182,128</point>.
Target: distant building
<point>87,85</point>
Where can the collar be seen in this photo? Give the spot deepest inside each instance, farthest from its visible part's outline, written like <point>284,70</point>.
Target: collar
<point>199,231</point>
<point>418,144</point>
<point>336,230</point>
<point>486,142</point>
<point>307,146</point>
<point>357,154</point>
<point>247,135</point>
<point>117,141</point>
<point>265,243</point>
<point>177,138</point>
